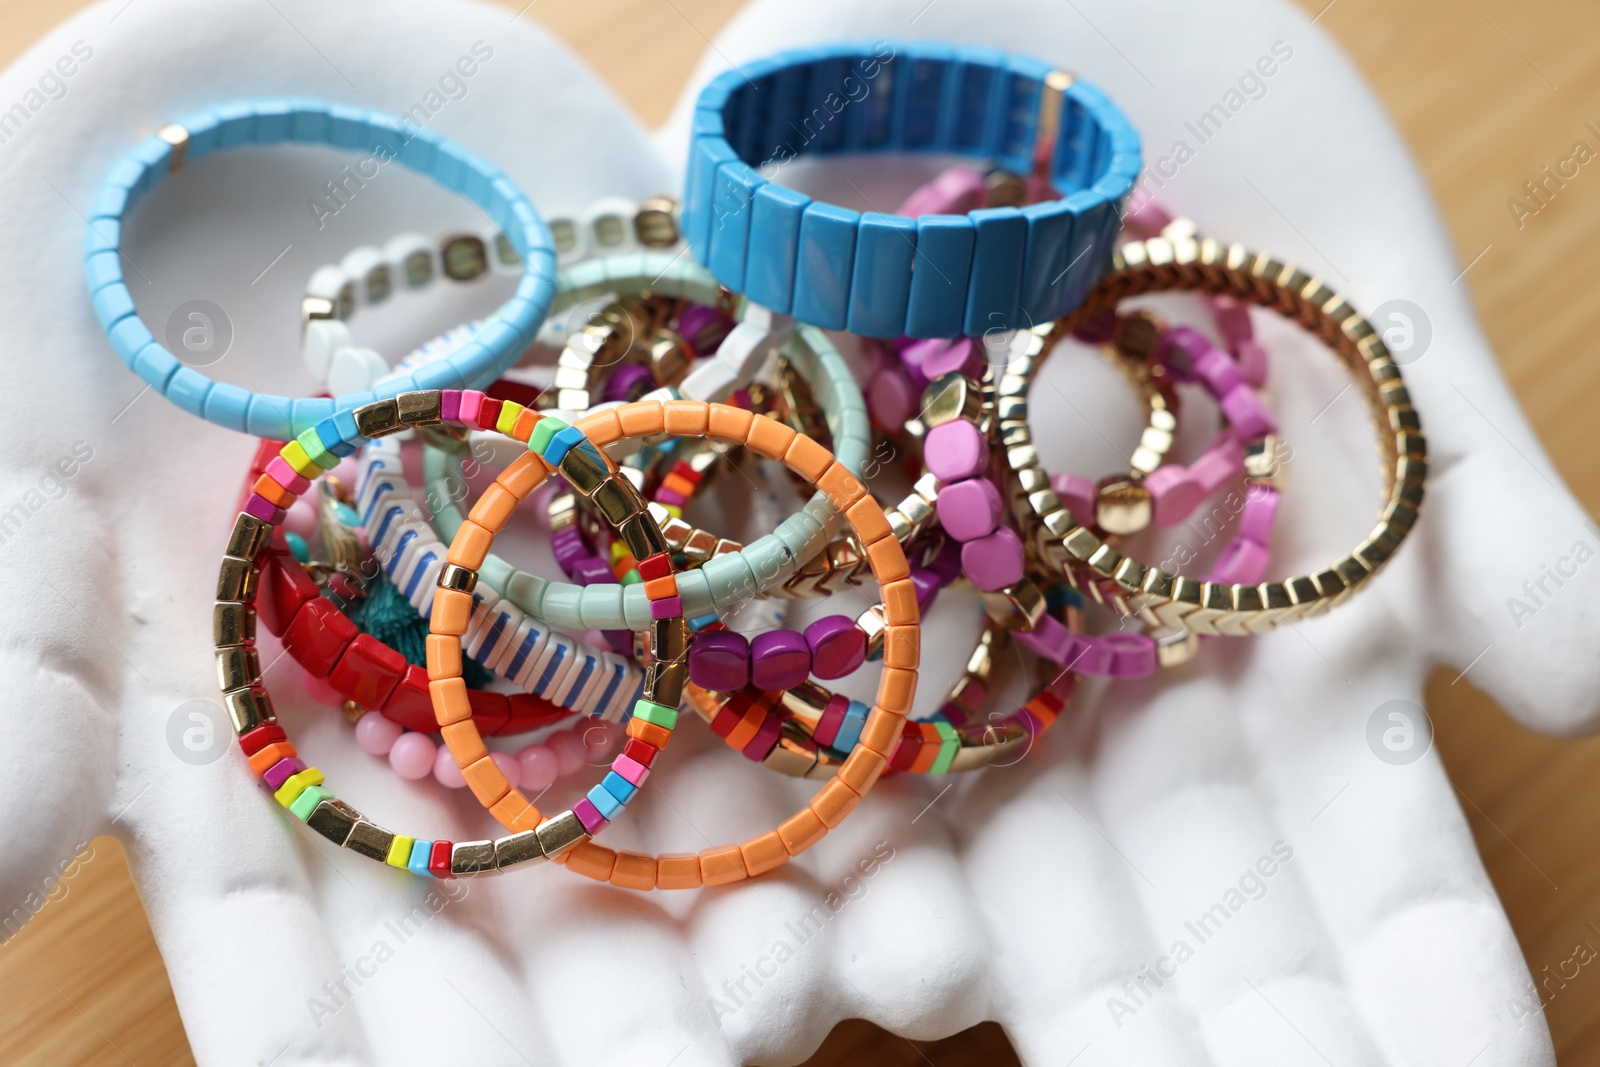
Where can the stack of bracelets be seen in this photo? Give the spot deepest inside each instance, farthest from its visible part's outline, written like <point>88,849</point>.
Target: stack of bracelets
<point>652,356</point>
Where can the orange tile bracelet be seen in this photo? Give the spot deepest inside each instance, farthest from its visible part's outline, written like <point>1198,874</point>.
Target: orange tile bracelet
<point>879,736</point>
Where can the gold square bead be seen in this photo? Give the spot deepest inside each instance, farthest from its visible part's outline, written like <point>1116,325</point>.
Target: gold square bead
<point>572,378</point>
<point>560,833</point>
<point>873,624</point>
<point>249,708</point>
<point>643,537</point>
<point>699,544</point>
<point>236,579</point>
<point>1017,608</point>
<point>238,667</point>
<point>618,501</point>
<point>656,225</point>
<point>669,640</point>
<point>794,754</point>
<point>315,307</point>
<point>807,701</point>
<point>471,857</point>
<point>455,577</point>
<point>379,419</point>
<point>232,623</point>
<point>1176,647</point>
<point>584,470</point>
<point>334,819</point>
<point>1353,570</point>
<point>248,535</point>
<point>418,407</point>
<point>1329,584</point>
<point>518,849</point>
<point>1123,506</point>
<point>664,680</point>
<point>370,840</point>
<point>949,397</point>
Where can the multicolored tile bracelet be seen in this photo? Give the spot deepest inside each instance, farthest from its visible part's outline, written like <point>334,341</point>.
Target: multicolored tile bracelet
<point>384,689</point>
<point>299,787</point>
<point>896,688</point>
<point>1176,603</point>
<point>882,275</point>
<point>501,339</point>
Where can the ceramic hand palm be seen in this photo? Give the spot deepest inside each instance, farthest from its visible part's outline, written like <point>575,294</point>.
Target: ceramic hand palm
<point>1214,868</point>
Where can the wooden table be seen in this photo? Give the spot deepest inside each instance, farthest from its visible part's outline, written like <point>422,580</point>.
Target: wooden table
<point>1486,92</point>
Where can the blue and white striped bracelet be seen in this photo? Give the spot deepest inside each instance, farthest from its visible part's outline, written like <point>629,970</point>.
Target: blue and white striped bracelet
<point>501,636</point>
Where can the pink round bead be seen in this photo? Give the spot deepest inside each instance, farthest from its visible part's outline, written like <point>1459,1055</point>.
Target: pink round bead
<point>349,469</point>
<point>955,450</point>
<point>969,509</point>
<point>993,562</point>
<point>1174,494</point>
<point>597,739</point>
<point>570,754</point>
<point>301,518</point>
<point>508,765</point>
<point>876,355</point>
<point>537,768</point>
<point>445,771</point>
<point>412,756</point>
<point>377,735</point>
<point>891,397</point>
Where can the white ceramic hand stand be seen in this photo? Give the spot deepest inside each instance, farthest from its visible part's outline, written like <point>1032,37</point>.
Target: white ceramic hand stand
<point>1045,896</point>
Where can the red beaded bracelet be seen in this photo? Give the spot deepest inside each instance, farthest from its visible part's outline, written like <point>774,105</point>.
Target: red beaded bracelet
<point>328,645</point>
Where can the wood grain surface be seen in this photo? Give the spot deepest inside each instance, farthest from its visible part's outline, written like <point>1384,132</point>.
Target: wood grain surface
<point>1487,92</point>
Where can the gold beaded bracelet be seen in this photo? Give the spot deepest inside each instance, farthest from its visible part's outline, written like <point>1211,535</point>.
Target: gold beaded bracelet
<point>1174,602</point>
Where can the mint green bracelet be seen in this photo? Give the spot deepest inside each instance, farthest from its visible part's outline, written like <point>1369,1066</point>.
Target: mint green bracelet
<point>725,580</point>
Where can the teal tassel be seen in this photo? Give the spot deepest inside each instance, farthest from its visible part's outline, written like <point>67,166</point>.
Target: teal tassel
<point>389,616</point>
